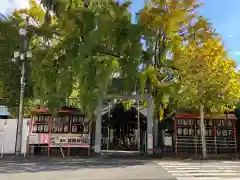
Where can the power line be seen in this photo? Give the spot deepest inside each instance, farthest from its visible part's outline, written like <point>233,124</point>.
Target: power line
<point>3,16</point>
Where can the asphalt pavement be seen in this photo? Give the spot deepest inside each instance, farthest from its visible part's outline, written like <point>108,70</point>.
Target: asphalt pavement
<point>82,169</point>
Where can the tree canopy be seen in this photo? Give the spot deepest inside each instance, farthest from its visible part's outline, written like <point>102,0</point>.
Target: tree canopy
<point>207,76</point>
<point>77,46</point>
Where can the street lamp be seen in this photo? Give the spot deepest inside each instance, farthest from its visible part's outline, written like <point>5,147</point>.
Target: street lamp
<point>22,57</point>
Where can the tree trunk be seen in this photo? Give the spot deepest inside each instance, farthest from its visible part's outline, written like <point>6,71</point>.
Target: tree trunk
<point>156,133</point>
<point>204,149</point>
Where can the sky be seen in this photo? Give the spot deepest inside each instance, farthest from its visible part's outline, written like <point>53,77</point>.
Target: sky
<point>7,6</point>
<point>225,17</point>
<point>223,14</point>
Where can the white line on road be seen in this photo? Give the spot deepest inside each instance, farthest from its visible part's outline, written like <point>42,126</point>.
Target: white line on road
<point>200,166</point>
<point>215,174</point>
<point>231,162</point>
<point>183,174</point>
<point>206,178</point>
<point>204,171</point>
<point>187,168</point>
<point>199,178</point>
<point>222,170</point>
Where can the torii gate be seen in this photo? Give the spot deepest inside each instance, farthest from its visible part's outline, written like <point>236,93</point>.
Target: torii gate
<point>149,112</point>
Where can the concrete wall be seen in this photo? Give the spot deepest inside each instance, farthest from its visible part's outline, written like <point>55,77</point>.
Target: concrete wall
<point>8,135</point>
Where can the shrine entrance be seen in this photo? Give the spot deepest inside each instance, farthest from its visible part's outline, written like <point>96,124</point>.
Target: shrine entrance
<point>120,129</point>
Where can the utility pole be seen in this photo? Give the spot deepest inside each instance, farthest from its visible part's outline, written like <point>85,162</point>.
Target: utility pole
<point>22,91</point>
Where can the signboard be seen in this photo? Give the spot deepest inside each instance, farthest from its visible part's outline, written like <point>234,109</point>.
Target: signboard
<point>2,138</point>
<point>34,138</point>
<point>28,122</point>
<point>150,142</point>
<point>70,140</point>
<point>59,139</point>
<point>45,138</point>
<point>168,140</point>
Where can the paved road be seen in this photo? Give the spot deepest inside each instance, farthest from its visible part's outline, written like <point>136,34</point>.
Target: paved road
<point>88,169</point>
<point>208,170</point>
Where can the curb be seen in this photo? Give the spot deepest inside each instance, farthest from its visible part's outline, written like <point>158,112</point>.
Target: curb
<point>201,158</point>
<point>114,156</point>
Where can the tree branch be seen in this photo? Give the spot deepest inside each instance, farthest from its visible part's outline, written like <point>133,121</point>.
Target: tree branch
<point>108,54</point>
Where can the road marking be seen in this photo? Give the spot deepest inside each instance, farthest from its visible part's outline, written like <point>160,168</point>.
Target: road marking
<point>201,178</point>
<point>215,174</point>
<point>187,168</point>
<point>204,171</point>
<point>222,170</point>
<point>199,166</point>
<point>231,162</point>
<point>182,174</point>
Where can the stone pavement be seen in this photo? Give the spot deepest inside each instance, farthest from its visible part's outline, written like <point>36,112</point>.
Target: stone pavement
<point>81,169</point>
<point>203,170</point>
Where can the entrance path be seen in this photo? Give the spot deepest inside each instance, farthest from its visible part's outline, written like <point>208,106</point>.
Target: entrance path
<point>81,169</point>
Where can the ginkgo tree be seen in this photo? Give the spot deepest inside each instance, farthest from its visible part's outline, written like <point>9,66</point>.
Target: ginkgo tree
<point>208,75</point>
<point>68,37</point>
<point>166,25</point>
<point>208,78</point>
<point>92,42</point>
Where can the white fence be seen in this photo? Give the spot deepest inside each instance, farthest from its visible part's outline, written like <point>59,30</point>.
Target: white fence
<point>8,135</point>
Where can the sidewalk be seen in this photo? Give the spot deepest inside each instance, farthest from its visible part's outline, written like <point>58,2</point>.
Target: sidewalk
<point>159,156</point>
<point>44,159</point>
<point>120,156</point>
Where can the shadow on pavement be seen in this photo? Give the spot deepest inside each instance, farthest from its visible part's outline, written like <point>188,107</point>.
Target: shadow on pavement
<point>16,165</point>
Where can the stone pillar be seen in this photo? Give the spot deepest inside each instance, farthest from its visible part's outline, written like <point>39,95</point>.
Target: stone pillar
<point>150,125</point>
<point>98,128</point>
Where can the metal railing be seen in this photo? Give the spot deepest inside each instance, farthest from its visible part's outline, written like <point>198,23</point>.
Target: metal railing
<point>214,144</point>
